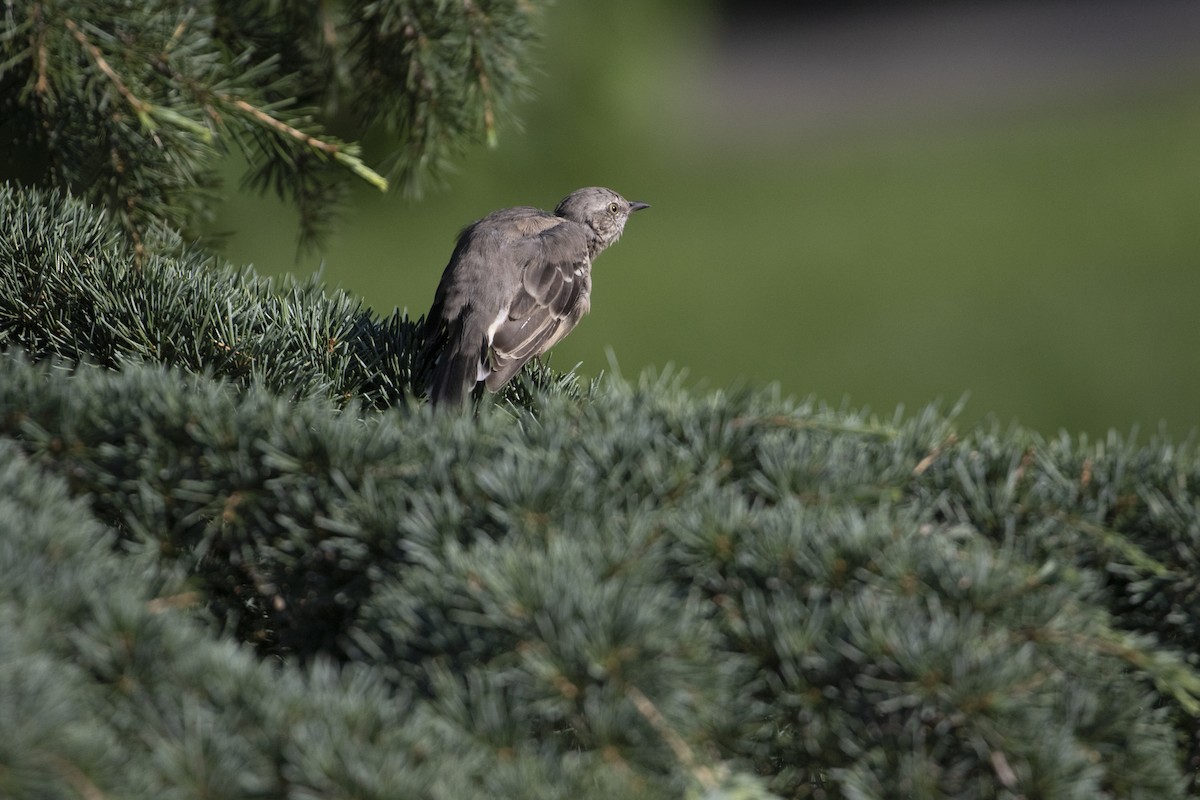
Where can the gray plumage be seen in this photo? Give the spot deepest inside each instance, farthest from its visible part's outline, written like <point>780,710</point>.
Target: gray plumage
<point>519,280</point>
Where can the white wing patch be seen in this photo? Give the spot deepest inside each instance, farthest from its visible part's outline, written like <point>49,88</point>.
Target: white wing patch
<point>485,368</point>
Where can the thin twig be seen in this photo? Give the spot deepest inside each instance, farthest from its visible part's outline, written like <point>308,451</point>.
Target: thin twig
<point>650,712</point>
<point>485,83</point>
<point>932,456</point>
<point>282,127</point>
<point>489,115</point>
<point>335,151</point>
<point>139,106</point>
<point>158,605</point>
<point>77,778</point>
<point>39,47</point>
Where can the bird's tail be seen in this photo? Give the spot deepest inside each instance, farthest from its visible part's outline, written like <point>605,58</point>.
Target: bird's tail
<point>457,370</point>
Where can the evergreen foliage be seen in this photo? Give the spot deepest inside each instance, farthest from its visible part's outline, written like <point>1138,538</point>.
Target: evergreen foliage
<point>133,104</point>
<point>221,581</point>
<point>72,294</point>
<point>107,690</point>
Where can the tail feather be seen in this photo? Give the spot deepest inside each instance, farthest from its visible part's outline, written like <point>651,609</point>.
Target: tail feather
<point>457,370</point>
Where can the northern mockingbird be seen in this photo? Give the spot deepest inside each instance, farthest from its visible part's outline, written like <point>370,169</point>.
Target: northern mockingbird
<point>519,280</point>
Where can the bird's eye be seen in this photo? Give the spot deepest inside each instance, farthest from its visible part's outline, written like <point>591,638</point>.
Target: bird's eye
<point>613,208</point>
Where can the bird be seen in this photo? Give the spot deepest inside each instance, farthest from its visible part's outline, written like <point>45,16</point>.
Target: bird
<point>518,281</point>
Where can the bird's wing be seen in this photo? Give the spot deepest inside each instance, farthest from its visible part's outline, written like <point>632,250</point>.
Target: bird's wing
<point>552,297</point>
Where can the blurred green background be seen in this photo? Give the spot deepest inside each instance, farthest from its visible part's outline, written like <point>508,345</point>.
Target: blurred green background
<point>890,206</point>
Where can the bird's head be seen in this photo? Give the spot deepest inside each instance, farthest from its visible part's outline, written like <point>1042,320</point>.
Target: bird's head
<point>602,210</point>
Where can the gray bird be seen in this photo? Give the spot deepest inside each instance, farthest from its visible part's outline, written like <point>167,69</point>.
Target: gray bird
<point>519,280</point>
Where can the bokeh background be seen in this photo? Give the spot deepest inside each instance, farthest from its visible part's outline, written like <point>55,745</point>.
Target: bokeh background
<point>890,203</point>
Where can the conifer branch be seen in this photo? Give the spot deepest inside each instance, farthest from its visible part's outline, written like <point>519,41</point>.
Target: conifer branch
<point>76,777</point>
<point>805,423</point>
<point>1113,540</point>
<point>933,455</point>
<point>140,108</point>
<point>335,150</point>
<point>39,48</point>
<point>1172,675</point>
<point>703,774</point>
<point>485,84</point>
<point>329,148</point>
<point>437,76</point>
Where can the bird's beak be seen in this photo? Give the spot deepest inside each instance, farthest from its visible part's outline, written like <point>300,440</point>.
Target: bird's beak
<point>634,205</point>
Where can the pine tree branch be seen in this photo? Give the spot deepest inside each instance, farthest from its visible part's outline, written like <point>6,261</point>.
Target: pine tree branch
<point>335,150</point>
<point>1113,540</point>
<point>706,777</point>
<point>485,83</point>
<point>39,47</point>
<point>76,777</point>
<point>798,423</point>
<point>1171,674</point>
<point>935,452</point>
<point>140,107</point>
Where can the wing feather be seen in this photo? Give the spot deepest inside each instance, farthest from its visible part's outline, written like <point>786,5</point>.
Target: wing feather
<point>553,296</point>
